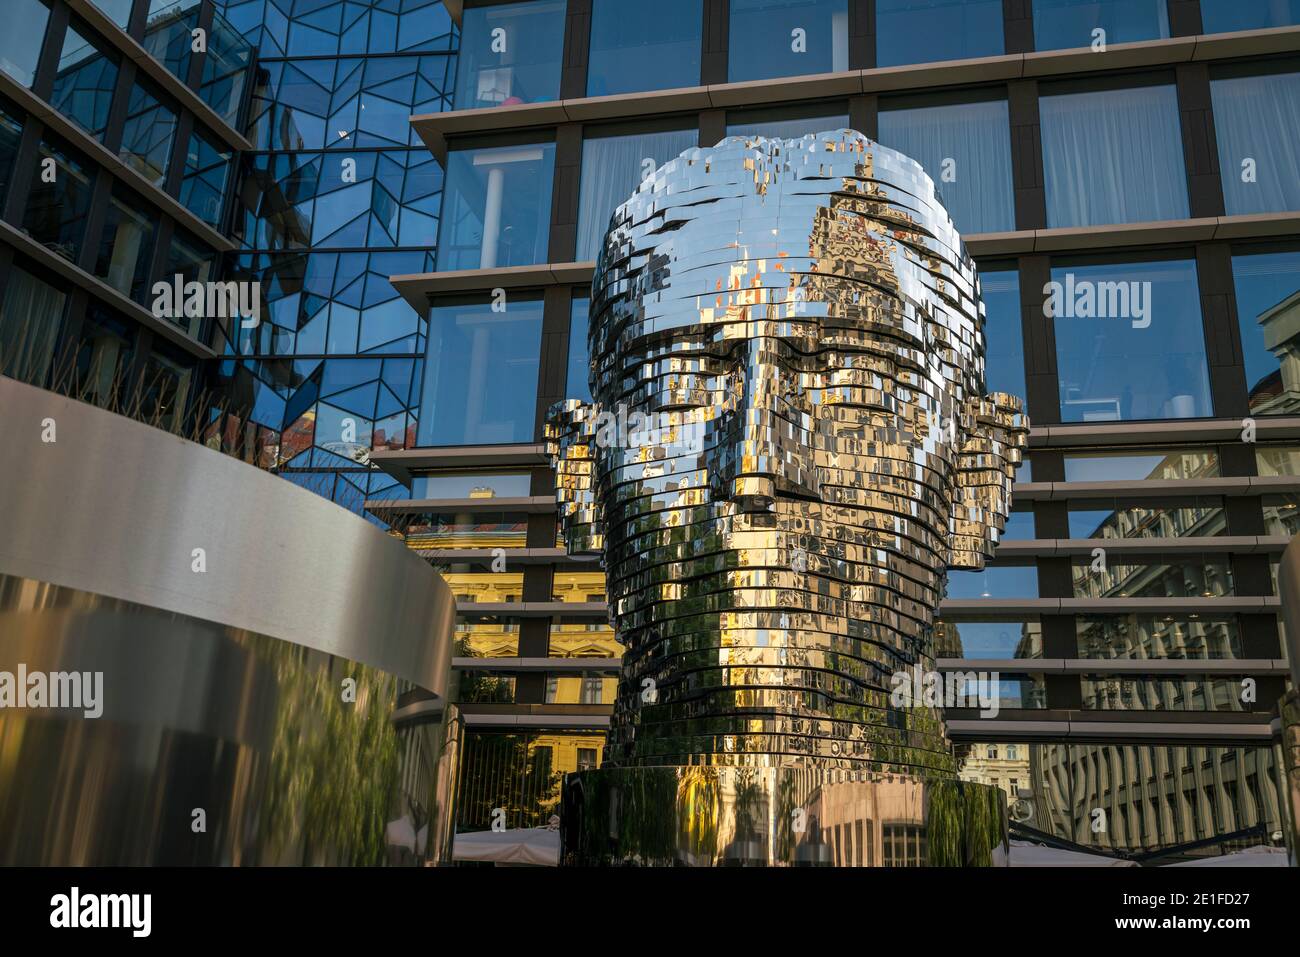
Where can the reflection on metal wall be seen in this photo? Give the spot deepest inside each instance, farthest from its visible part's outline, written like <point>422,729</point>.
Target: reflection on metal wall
<point>188,674</point>
<point>789,445</point>
<point>1288,583</point>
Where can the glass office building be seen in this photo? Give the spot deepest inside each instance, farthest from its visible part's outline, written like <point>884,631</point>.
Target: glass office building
<point>418,191</point>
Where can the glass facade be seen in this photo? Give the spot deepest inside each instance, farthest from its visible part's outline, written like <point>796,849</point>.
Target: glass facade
<point>84,83</point>
<point>59,200</point>
<point>643,46</point>
<point>497,207</point>
<point>1129,342</point>
<point>20,43</point>
<point>126,245</point>
<point>1112,156</point>
<point>772,38</point>
<point>1229,16</point>
<point>612,167</point>
<point>965,146</point>
<point>1257,128</point>
<point>148,135</point>
<point>510,54</point>
<point>1060,24</point>
<point>480,380</point>
<point>1268,305</point>
<point>921,31</point>
<point>787,123</point>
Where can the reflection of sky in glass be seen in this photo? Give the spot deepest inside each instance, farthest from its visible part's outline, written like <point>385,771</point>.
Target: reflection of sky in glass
<point>994,639</point>
<point>1262,282</point>
<point>578,385</point>
<point>1001,581</point>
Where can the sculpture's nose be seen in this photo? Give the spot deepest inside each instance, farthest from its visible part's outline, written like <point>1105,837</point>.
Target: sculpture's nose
<point>763,447</point>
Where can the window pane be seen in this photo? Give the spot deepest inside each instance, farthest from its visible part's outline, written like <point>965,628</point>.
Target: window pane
<point>995,581</point>
<point>472,485</point>
<point>1268,312</point>
<point>788,123</point>
<point>147,136</point>
<point>578,379</point>
<point>510,54</point>
<point>126,247</point>
<point>1227,16</point>
<point>923,31</point>
<point>966,149</point>
<point>11,134</point>
<point>1004,357</point>
<point>612,168</point>
<point>771,38</point>
<point>1157,636</point>
<point>1129,342</point>
<point>225,70</point>
<point>480,382</point>
<point>188,261</point>
<point>1257,125</point>
<point>21,39</point>
<point>644,46</point>
<point>104,352</point>
<point>83,85</point>
<point>497,207</point>
<point>203,190</point>
<point>30,318</point>
<point>167,33</point>
<point>119,11</point>
<point>1198,517</point>
<point>56,212</point>
<point>1113,156</point>
<point>1059,24</point>
<point>165,385</point>
<point>1137,466</point>
<point>988,639</point>
<point>1129,579</point>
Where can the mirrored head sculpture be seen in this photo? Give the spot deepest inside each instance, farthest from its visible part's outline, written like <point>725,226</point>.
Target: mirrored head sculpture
<point>789,445</point>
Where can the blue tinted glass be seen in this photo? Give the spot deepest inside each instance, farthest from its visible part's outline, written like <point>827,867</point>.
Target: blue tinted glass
<point>1004,358</point>
<point>771,38</point>
<point>771,124</point>
<point>1257,125</point>
<point>119,11</point>
<point>126,247</point>
<point>464,485</point>
<point>1113,156</point>
<point>579,377</point>
<point>1059,24</point>
<point>995,639</point>
<point>497,207</point>
<point>83,84</point>
<point>644,46</point>
<point>225,70</point>
<point>1020,526</point>
<point>147,137</point>
<point>966,149</point>
<point>480,380</point>
<point>995,581</point>
<point>167,33</point>
<point>56,211</point>
<point>21,39</point>
<point>1268,311</point>
<point>203,190</point>
<point>1129,342</point>
<point>923,31</point>
<point>1227,16</point>
<point>510,54</point>
<point>11,134</point>
<point>612,168</point>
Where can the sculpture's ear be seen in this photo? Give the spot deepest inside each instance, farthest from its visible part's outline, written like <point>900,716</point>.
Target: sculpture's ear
<point>571,444</point>
<point>996,433</point>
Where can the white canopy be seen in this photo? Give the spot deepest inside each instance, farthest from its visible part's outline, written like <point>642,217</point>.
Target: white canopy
<point>1259,856</point>
<point>527,845</point>
<point>1025,854</point>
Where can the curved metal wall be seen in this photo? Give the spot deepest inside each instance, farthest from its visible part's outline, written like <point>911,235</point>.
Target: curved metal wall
<point>243,714</point>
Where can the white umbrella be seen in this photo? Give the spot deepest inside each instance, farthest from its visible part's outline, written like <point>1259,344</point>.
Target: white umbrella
<point>525,845</point>
<point>1025,854</point>
<point>1258,856</point>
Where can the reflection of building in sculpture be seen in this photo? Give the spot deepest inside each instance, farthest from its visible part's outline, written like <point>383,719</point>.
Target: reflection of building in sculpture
<point>801,320</point>
<point>1279,392</point>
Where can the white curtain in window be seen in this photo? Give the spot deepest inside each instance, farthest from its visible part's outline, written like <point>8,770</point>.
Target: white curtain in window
<point>29,327</point>
<point>612,167</point>
<point>1257,125</point>
<point>1113,156</point>
<point>970,144</point>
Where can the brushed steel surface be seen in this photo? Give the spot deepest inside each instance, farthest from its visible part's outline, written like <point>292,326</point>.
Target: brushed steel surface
<point>116,508</point>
